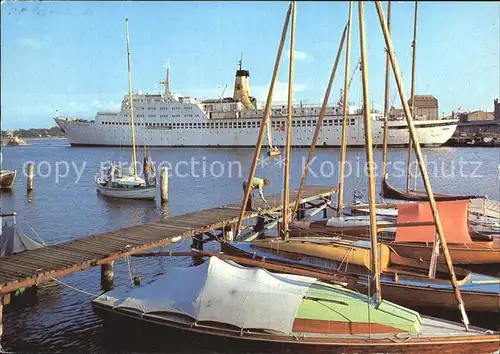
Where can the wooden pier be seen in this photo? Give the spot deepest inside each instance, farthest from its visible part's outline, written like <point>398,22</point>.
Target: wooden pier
<point>36,266</point>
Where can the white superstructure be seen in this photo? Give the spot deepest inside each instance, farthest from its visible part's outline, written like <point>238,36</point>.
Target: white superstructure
<point>165,119</point>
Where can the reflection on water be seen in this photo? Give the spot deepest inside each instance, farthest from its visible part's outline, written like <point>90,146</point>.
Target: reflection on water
<point>60,318</point>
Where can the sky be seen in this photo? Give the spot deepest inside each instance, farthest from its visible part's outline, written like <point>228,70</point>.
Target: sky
<point>70,56</point>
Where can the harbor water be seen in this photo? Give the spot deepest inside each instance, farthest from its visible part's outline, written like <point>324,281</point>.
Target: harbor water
<point>64,205</point>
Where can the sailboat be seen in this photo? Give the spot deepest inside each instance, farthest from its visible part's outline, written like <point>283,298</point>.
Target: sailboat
<point>112,181</point>
<point>7,177</point>
<point>285,310</point>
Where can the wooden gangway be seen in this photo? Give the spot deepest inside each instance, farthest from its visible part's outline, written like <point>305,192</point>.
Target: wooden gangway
<point>36,266</point>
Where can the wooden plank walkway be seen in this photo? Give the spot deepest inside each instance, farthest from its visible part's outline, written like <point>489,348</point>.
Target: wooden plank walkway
<point>33,267</point>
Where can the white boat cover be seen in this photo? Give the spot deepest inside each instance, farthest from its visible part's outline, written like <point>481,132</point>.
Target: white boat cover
<point>358,220</point>
<point>219,291</point>
<point>12,241</point>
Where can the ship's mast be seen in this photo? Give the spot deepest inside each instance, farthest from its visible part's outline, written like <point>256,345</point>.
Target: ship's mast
<point>345,106</point>
<point>412,94</point>
<point>369,158</point>
<point>286,184</point>
<point>166,82</point>
<point>386,98</point>
<point>131,105</point>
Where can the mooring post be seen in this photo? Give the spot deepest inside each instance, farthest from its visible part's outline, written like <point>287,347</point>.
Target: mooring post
<point>4,300</point>
<point>260,225</point>
<point>197,242</point>
<point>301,211</point>
<point>228,233</point>
<point>325,211</point>
<point>29,176</point>
<point>107,275</point>
<point>164,184</point>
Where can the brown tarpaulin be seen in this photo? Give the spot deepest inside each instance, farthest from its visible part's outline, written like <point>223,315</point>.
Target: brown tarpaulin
<point>453,216</point>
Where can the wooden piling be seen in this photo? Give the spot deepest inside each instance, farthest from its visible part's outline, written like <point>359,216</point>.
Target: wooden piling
<point>260,225</point>
<point>29,176</point>
<point>164,184</point>
<point>228,233</point>
<point>107,275</point>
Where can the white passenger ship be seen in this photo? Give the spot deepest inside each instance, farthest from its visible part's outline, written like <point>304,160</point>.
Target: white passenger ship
<point>165,119</point>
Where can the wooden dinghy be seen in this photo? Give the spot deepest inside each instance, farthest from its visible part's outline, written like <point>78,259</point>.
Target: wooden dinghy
<point>390,192</point>
<point>7,179</point>
<point>404,281</point>
<point>224,299</point>
<point>465,246</point>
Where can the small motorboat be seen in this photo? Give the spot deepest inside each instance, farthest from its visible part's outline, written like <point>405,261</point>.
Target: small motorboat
<point>13,140</point>
<point>7,179</point>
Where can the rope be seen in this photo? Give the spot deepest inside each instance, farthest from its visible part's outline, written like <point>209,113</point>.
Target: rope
<point>75,289</point>
<point>127,258</point>
<point>37,235</point>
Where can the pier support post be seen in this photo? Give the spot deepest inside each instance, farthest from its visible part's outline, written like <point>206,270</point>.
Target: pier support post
<point>197,242</point>
<point>29,176</point>
<point>4,300</point>
<point>164,184</point>
<point>301,211</point>
<point>107,275</point>
<point>260,225</point>
<point>325,211</point>
<point>228,233</point>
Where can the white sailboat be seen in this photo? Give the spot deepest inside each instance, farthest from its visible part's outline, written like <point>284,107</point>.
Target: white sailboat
<point>112,181</point>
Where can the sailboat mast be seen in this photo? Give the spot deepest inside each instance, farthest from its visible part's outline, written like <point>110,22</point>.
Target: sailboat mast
<point>412,97</point>
<point>345,106</point>
<point>386,99</point>
<point>265,119</point>
<point>421,163</point>
<point>288,150</point>
<point>319,123</point>
<point>369,157</point>
<point>131,105</point>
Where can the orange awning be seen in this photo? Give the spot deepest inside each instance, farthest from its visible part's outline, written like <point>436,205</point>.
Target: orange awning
<point>453,216</point>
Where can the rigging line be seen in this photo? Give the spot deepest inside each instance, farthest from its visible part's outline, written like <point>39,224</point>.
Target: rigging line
<point>37,235</point>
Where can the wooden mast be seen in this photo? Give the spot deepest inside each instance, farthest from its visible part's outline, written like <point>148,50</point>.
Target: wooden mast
<point>369,157</point>
<point>288,149</point>
<point>386,98</point>
<point>319,123</point>
<point>412,94</point>
<point>343,144</point>
<point>421,162</point>
<point>265,118</point>
<point>131,105</point>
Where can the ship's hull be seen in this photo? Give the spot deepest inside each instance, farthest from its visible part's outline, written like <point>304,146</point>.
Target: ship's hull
<point>80,133</point>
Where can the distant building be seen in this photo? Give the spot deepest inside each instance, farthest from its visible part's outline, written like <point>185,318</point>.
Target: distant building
<point>479,115</point>
<point>480,121</point>
<point>426,107</point>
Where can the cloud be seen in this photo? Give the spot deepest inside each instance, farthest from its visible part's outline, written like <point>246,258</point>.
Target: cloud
<point>299,56</point>
<point>280,91</point>
<point>31,42</point>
